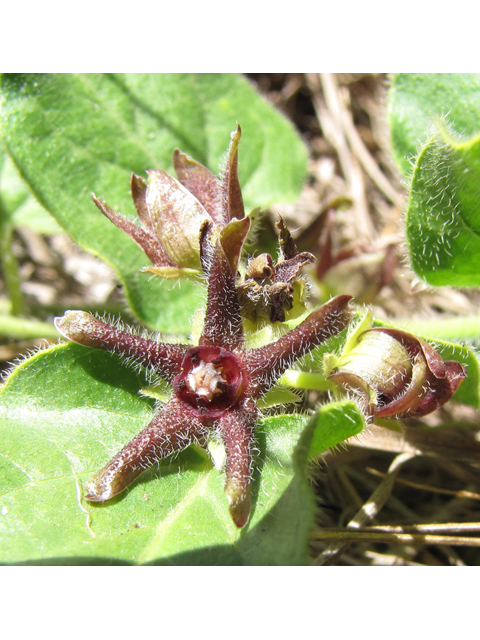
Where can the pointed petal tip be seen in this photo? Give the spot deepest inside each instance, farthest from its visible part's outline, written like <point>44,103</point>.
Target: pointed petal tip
<point>239,514</point>
<point>181,157</point>
<point>71,323</point>
<point>136,178</point>
<point>92,493</point>
<point>340,305</point>
<point>239,503</point>
<point>343,300</point>
<point>92,498</point>
<point>138,187</point>
<point>78,326</point>
<point>455,374</point>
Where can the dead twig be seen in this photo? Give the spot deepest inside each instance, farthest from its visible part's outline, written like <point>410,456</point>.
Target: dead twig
<point>426,487</point>
<point>346,537</point>
<point>327,108</point>
<point>368,511</point>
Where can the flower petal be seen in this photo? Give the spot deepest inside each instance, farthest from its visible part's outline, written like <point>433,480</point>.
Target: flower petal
<point>414,346</point>
<point>237,428</point>
<point>288,248</point>
<point>201,182</point>
<point>83,328</point>
<point>146,240</point>
<point>232,192</point>
<point>223,320</point>
<point>266,364</point>
<point>441,389</point>
<point>177,218</point>
<point>171,430</point>
<point>232,237</point>
<point>408,402</point>
<point>138,187</point>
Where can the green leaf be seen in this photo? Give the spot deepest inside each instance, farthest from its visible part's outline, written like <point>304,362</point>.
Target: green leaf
<point>70,134</point>
<point>19,205</point>
<point>418,101</point>
<point>443,214</point>
<point>334,423</point>
<point>442,113</point>
<point>176,513</point>
<point>454,328</point>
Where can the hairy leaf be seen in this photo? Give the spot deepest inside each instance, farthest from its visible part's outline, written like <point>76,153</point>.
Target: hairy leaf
<point>18,203</point>
<point>419,101</point>
<point>442,113</point>
<point>443,215</point>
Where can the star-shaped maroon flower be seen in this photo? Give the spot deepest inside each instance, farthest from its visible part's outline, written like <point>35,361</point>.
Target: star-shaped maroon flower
<point>215,385</point>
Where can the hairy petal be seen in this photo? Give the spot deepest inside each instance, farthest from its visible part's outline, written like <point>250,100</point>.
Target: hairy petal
<point>426,392</point>
<point>237,428</point>
<point>177,218</point>
<point>232,192</point>
<point>146,240</point>
<point>85,329</point>
<point>138,187</point>
<point>173,429</point>
<point>288,248</point>
<point>288,270</point>
<point>414,392</point>
<point>266,365</point>
<point>442,389</point>
<point>414,346</point>
<point>200,181</point>
<point>223,320</point>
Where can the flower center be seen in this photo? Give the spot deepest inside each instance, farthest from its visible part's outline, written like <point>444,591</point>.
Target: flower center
<point>210,381</point>
<point>206,380</point>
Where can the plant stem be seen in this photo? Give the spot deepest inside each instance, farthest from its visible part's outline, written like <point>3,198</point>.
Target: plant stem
<point>9,264</point>
<point>306,380</point>
<point>15,327</point>
<point>452,328</point>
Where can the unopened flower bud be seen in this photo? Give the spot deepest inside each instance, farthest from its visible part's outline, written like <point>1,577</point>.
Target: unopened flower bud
<point>393,373</point>
<point>176,218</point>
<point>182,219</point>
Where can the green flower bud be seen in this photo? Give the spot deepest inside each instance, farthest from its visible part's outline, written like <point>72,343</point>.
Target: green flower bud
<point>177,219</point>
<point>392,372</point>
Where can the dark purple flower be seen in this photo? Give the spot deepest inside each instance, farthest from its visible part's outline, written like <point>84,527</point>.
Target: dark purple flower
<point>215,385</point>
